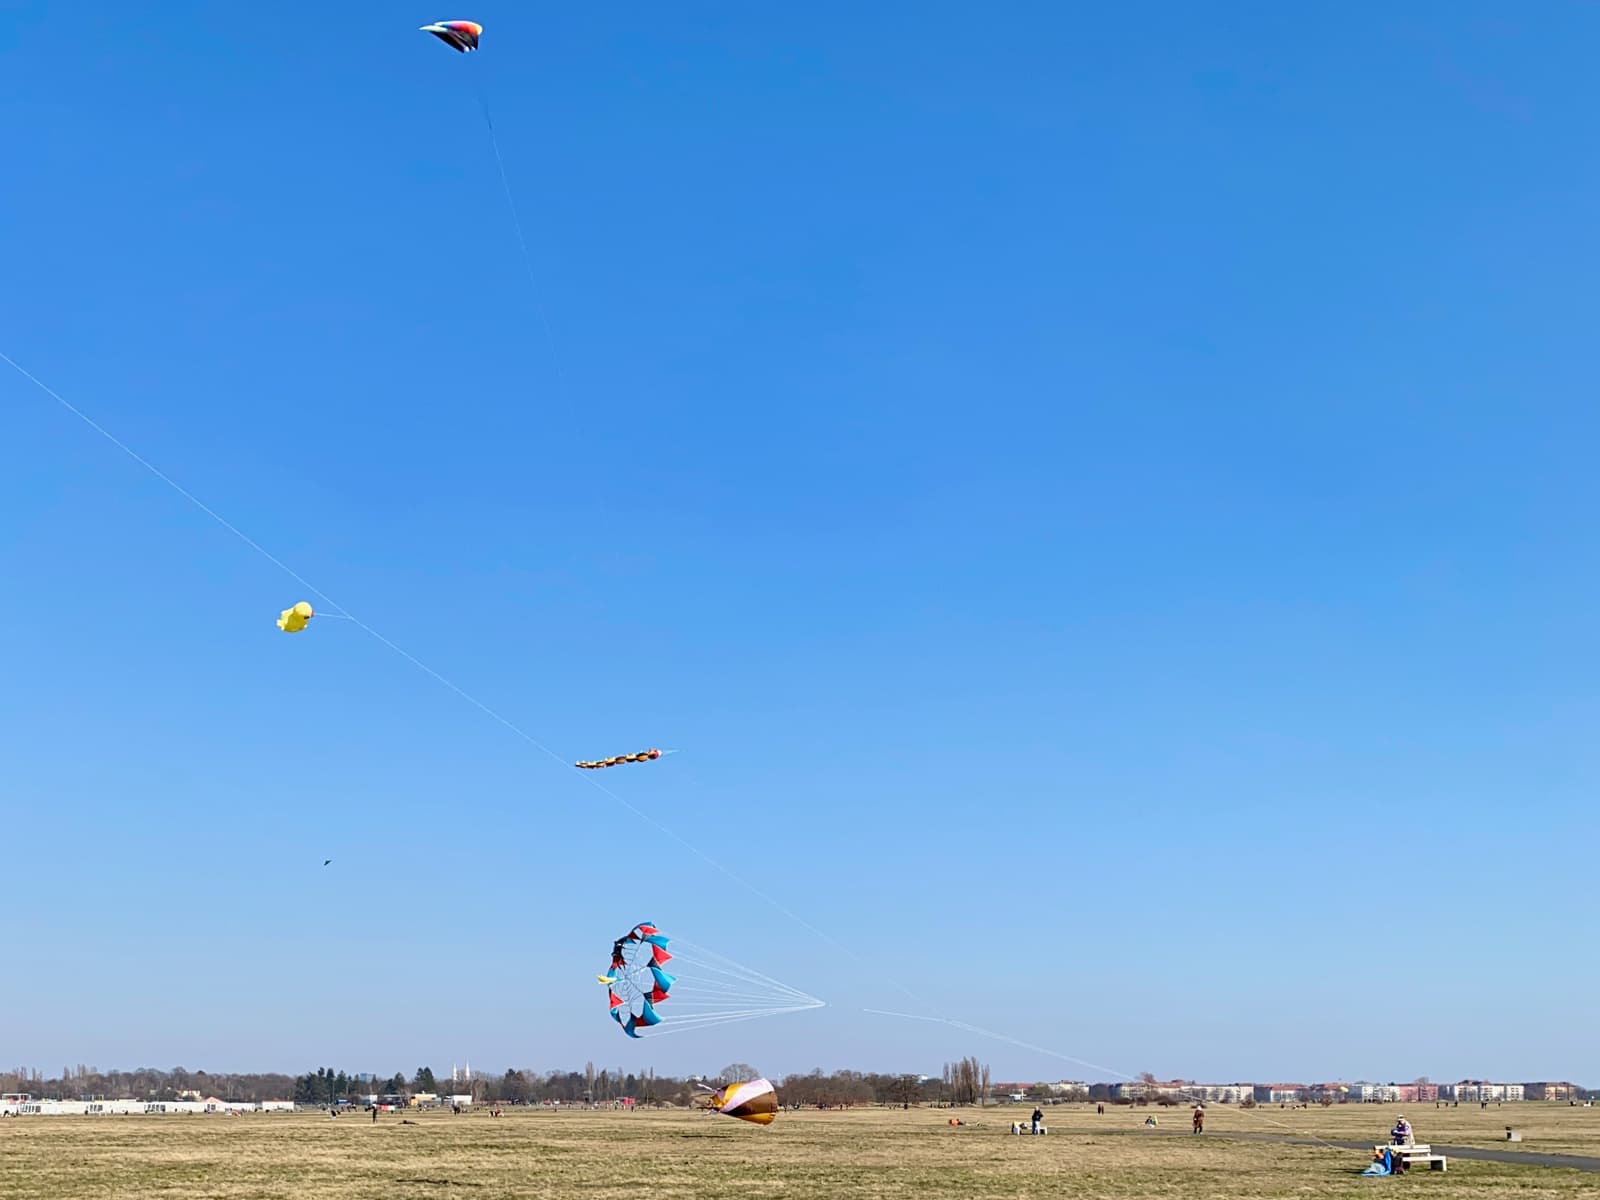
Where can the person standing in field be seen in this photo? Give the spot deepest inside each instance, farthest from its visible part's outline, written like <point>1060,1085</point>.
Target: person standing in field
<point>1037,1117</point>
<point>1199,1118</point>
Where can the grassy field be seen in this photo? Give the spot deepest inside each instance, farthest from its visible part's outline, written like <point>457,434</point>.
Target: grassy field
<point>1546,1128</point>
<point>870,1153</point>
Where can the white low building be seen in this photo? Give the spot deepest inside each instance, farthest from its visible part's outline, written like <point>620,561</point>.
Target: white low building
<point>133,1108</point>
<point>1220,1093</point>
<point>1482,1091</point>
<point>1374,1093</point>
<point>1278,1093</point>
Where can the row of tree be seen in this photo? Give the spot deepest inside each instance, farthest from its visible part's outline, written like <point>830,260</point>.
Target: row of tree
<point>147,1083</point>
<point>963,1082</point>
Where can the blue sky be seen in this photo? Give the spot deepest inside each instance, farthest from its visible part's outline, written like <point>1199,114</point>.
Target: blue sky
<point>1102,501</point>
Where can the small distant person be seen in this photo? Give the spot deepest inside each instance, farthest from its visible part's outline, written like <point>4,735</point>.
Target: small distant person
<point>1401,1134</point>
<point>1199,1118</point>
<point>374,1114</point>
<point>1100,1110</point>
<point>1036,1118</point>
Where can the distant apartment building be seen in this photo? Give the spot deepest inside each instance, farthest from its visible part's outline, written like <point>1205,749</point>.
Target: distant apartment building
<point>1550,1091</point>
<point>1135,1089</point>
<point>1280,1093</point>
<point>1372,1093</point>
<point>1220,1093</point>
<point>1481,1091</point>
<point>1132,1090</point>
<point>1392,1093</point>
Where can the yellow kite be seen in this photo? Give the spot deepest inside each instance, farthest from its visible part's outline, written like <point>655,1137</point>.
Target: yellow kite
<point>293,620</point>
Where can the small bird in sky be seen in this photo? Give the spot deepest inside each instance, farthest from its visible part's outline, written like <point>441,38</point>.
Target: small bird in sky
<point>326,861</point>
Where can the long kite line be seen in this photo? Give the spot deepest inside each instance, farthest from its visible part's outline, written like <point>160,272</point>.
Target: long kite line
<point>801,1000</point>
<point>340,610</point>
<point>804,1001</point>
<point>591,778</point>
<point>807,1002</point>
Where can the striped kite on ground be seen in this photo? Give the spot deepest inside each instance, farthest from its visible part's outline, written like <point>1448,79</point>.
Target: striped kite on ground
<point>755,1101</point>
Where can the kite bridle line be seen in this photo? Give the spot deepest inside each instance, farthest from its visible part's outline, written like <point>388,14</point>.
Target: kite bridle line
<point>728,992</point>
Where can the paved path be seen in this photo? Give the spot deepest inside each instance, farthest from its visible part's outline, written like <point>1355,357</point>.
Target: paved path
<point>1573,1162</point>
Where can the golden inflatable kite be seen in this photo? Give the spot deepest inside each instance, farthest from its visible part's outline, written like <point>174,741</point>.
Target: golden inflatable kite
<point>755,1101</point>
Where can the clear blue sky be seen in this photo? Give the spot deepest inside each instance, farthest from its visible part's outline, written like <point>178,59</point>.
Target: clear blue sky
<point>1102,497</point>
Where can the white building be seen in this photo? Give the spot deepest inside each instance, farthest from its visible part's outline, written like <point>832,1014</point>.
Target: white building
<point>1374,1093</point>
<point>1481,1090</point>
<point>128,1107</point>
<point>459,1101</point>
<point>1219,1093</point>
<point>1279,1093</point>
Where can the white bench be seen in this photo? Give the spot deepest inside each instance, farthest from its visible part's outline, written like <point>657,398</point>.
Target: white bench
<point>1414,1155</point>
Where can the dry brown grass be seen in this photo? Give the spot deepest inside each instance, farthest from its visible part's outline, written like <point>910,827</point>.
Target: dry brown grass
<point>1547,1128</point>
<point>874,1154</point>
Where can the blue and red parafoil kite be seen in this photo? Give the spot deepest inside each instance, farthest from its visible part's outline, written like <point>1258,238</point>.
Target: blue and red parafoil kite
<point>635,982</point>
<point>460,35</point>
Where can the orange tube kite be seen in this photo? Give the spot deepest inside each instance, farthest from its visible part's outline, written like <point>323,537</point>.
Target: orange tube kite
<point>618,760</point>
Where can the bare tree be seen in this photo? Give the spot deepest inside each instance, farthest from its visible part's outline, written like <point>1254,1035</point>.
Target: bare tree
<point>738,1073</point>
<point>963,1088</point>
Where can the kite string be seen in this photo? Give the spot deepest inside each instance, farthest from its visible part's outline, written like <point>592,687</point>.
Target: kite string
<point>534,292</point>
<point>510,725</point>
<point>1045,1050</point>
<point>169,481</point>
<point>709,960</point>
<point>681,1027</point>
<point>448,684</point>
<point>527,255</point>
